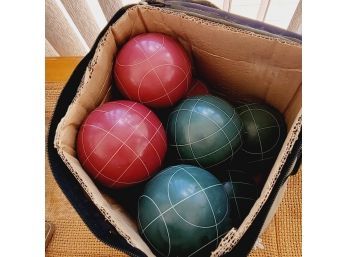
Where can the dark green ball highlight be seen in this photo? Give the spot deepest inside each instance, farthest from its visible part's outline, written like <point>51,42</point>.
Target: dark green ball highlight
<point>264,132</point>
<point>242,193</point>
<point>205,130</point>
<point>184,211</point>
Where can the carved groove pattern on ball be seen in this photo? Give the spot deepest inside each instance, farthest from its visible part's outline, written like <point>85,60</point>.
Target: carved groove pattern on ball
<point>242,192</point>
<point>121,143</point>
<point>153,69</point>
<point>205,130</point>
<point>264,133</point>
<point>181,200</point>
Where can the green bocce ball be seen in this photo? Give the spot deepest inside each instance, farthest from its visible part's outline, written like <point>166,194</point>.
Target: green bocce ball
<point>184,211</point>
<point>242,192</point>
<point>205,130</point>
<point>263,135</point>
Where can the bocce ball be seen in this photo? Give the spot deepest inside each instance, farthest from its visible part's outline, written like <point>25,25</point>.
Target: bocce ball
<point>184,210</point>
<point>154,69</point>
<point>197,88</point>
<point>121,143</point>
<point>242,193</point>
<point>264,132</point>
<point>205,130</point>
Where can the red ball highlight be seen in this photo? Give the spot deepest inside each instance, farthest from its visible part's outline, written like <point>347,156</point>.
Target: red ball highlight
<point>121,143</point>
<point>153,69</point>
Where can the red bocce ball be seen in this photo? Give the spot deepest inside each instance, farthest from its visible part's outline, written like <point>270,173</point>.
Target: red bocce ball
<point>197,88</point>
<point>121,143</point>
<point>153,69</point>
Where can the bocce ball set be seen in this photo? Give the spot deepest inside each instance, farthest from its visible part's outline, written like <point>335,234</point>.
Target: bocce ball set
<point>224,150</point>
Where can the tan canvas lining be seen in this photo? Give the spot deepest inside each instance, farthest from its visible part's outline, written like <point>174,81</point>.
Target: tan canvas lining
<point>236,64</point>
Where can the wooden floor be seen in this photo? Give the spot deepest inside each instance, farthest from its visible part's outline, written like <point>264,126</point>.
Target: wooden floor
<point>283,238</point>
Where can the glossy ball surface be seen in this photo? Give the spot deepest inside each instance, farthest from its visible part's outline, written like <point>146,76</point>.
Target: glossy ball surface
<point>205,130</point>
<point>197,88</point>
<point>121,143</point>
<point>264,133</point>
<point>184,210</point>
<point>154,69</point>
<point>242,193</point>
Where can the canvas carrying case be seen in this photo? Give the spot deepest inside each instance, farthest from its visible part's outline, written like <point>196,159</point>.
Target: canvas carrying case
<point>240,58</point>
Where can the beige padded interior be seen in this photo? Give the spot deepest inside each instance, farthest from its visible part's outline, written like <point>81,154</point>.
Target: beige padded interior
<point>237,64</point>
